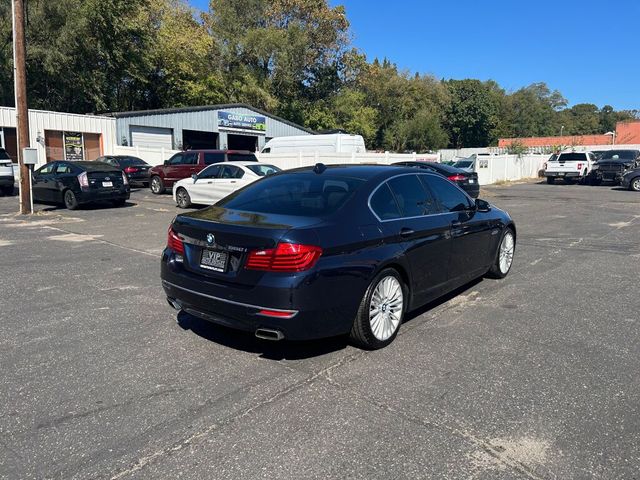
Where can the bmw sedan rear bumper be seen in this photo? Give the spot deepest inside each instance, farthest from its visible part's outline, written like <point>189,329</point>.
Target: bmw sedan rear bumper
<point>301,306</point>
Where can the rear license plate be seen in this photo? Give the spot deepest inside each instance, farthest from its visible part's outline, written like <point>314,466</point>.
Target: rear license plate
<point>214,260</point>
<point>561,174</point>
<point>471,180</point>
<point>107,184</point>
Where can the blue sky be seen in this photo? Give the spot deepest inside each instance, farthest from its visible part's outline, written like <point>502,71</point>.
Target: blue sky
<point>588,50</point>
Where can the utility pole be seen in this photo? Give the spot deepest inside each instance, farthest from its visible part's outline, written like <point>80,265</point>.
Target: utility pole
<point>22,113</point>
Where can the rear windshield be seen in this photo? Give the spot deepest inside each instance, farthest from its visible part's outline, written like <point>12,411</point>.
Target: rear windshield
<point>463,164</point>
<point>96,166</point>
<point>619,155</point>
<point>4,155</point>
<point>263,170</point>
<point>129,161</point>
<point>568,157</point>
<point>242,157</point>
<point>300,194</point>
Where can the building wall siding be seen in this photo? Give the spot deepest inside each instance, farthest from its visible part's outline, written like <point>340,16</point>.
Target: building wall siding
<point>202,120</point>
<point>40,120</point>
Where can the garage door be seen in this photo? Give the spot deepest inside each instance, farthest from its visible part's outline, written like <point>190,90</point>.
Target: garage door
<point>151,137</point>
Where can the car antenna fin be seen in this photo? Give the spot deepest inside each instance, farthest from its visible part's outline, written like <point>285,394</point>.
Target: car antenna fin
<point>319,168</point>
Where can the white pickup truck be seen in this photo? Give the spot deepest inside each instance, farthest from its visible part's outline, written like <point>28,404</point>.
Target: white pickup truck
<point>570,166</point>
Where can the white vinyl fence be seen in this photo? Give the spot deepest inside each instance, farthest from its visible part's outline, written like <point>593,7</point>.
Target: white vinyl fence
<point>305,159</point>
<point>496,168</point>
<point>491,168</point>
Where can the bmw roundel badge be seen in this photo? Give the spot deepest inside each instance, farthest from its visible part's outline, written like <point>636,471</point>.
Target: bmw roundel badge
<point>211,239</point>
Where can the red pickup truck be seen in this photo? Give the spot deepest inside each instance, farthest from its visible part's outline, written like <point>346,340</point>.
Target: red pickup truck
<point>185,164</point>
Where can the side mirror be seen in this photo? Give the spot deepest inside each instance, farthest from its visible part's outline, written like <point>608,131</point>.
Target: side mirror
<point>166,162</point>
<point>482,205</point>
<point>194,177</point>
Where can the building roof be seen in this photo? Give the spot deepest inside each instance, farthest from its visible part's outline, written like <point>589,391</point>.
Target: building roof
<point>165,111</point>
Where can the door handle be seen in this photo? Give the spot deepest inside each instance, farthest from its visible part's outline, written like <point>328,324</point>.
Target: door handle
<point>456,223</point>
<point>233,181</point>
<point>406,232</point>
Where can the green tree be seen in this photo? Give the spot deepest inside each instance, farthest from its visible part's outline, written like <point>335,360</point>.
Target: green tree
<point>471,118</point>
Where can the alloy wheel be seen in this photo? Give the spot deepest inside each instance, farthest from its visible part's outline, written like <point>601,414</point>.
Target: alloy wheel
<point>635,184</point>
<point>507,248</point>
<point>182,197</point>
<point>386,307</point>
<point>155,185</point>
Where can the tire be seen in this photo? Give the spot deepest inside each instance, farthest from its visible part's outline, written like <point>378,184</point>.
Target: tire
<point>7,191</point>
<point>568,181</point>
<point>634,184</point>
<point>551,180</point>
<point>183,200</point>
<point>500,269</point>
<point>387,294</point>
<point>156,185</point>
<point>70,200</point>
<point>120,202</point>
<point>595,181</point>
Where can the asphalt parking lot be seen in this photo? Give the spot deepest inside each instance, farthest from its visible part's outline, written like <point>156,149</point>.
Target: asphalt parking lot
<point>535,376</point>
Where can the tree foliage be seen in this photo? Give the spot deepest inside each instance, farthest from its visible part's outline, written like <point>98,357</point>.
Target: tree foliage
<point>290,57</point>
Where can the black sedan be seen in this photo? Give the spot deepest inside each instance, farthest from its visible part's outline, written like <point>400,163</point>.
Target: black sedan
<point>75,183</point>
<point>137,170</point>
<point>468,181</point>
<point>631,180</point>
<point>332,250</point>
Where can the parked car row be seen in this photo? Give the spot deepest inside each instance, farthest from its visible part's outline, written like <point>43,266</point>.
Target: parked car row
<point>619,167</point>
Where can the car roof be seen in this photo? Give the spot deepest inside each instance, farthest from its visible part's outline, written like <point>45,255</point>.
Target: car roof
<point>240,163</point>
<point>435,165</point>
<point>213,150</point>
<point>91,165</point>
<point>362,171</point>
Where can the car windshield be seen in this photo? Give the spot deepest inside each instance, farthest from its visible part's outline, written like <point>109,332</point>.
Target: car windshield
<point>573,156</point>
<point>299,194</point>
<point>242,157</point>
<point>263,170</point>
<point>130,161</point>
<point>619,155</point>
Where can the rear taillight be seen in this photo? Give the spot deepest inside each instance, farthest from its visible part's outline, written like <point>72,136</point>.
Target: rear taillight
<point>456,178</point>
<point>131,169</point>
<point>125,180</point>
<point>174,242</point>
<point>579,166</point>
<point>286,257</point>
<point>545,165</point>
<point>84,180</point>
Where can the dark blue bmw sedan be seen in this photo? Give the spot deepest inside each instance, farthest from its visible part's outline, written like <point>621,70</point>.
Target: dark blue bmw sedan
<point>332,250</point>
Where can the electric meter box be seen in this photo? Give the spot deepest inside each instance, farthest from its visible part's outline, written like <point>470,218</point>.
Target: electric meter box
<point>29,156</point>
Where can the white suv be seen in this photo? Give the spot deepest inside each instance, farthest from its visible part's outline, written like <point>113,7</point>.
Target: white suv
<point>570,166</point>
<point>6,173</point>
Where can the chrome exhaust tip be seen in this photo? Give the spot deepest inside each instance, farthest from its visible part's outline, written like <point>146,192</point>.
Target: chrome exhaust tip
<point>174,303</point>
<point>268,334</point>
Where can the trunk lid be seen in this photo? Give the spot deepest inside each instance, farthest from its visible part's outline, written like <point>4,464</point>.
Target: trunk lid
<point>104,180</point>
<point>217,240</point>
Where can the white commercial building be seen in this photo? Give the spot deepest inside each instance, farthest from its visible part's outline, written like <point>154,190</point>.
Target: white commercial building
<point>60,136</point>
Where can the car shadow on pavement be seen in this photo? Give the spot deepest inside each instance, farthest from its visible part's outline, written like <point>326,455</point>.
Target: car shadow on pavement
<point>245,341</point>
<point>85,206</point>
<point>442,300</point>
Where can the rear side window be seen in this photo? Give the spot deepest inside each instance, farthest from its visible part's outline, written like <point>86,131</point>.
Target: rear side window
<point>190,158</point>
<point>263,170</point>
<point>449,196</point>
<point>4,155</point>
<point>383,204</point>
<point>63,168</point>
<point>411,196</point>
<point>231,171</point>
<point>573,156</point>
<point>242,157</point>
<point>213,157</point>
<point>300,194</point>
